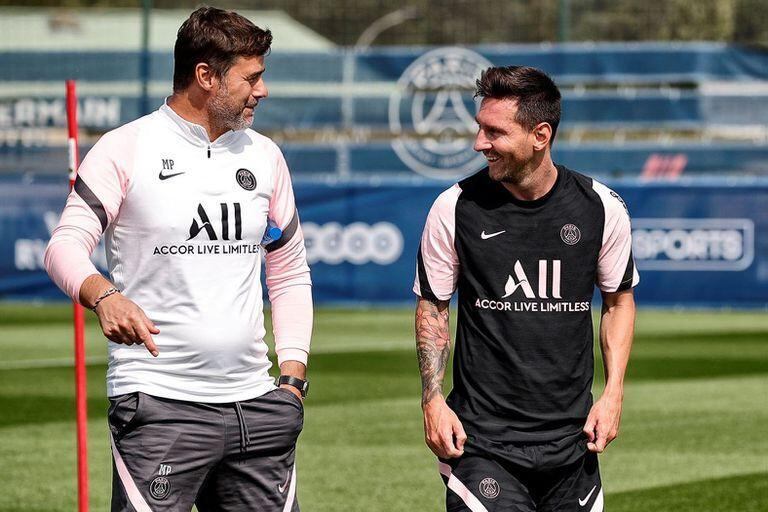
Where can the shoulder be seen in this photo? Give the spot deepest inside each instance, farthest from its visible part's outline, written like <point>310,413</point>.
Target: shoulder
<point>118,146</point>
<point>595,190</point>
<point>612,202</point>
<point>449,195</point>
<point>476,183</point>
<point>121,143</point>
<point>445,203</point>
<point>262,143</point>
<point>574,181</point>
<point>124,136</point>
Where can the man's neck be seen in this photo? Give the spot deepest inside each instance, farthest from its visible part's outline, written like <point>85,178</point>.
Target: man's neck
<point>192,109</point>
<point>536,183</point>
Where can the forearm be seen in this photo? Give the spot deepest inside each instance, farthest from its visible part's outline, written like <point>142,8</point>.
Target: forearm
<point>67,259</point>
<point>616,332</point>
<point>292,318</point>
<point>433,346</point>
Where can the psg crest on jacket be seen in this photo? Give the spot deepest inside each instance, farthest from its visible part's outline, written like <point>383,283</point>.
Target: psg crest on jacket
<point>246,179</point>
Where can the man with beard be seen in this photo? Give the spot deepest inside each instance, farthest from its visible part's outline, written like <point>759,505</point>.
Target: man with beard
<point>524,241</point>
<point>183,197</point>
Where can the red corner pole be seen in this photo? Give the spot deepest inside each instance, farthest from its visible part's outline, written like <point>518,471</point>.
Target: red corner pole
<point>79,319</point>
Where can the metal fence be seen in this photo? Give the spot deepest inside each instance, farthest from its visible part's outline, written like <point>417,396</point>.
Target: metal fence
<point>447,22</point>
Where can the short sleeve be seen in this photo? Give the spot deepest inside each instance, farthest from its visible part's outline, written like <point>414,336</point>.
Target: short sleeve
<point>437,265</point>
<point>616,269</point>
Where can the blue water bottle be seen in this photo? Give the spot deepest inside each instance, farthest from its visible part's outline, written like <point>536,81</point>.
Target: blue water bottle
<point>271,234</point>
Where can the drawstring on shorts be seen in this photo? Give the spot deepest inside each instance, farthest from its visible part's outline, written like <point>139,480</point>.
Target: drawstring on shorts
<point>244,435</point>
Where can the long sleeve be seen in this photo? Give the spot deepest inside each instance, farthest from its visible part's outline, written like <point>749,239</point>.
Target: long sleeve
<point>91,207</point>
<point>287,274</point>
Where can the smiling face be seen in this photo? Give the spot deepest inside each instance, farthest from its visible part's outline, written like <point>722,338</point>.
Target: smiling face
<point>507,145</point>
<point>232,104</point>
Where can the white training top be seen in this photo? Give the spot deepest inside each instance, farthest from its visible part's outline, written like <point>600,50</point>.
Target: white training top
<point>183,219</point>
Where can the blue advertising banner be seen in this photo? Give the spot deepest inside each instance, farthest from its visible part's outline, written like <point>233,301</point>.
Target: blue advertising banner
<point>695,244</point>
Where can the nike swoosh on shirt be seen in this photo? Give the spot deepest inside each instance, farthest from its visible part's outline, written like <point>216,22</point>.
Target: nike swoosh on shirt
<point>284,486</point>
<point>585,500</point>
<point>491,235</point>
<point>166,176</point>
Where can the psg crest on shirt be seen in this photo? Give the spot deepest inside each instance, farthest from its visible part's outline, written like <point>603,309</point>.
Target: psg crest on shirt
<point>570,234</point>
<point>245,179</point>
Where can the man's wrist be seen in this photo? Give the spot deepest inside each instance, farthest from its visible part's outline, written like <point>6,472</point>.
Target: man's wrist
<point>434,399</point>
<point>92,288</point>
<point>107,293</point>
<point>614,391</point>
<point>301,385</point>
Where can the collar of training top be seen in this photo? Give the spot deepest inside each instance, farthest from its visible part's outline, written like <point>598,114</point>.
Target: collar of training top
<point>195,133</point>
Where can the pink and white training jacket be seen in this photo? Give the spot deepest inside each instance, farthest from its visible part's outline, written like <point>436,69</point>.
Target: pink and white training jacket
<point>183,219</point>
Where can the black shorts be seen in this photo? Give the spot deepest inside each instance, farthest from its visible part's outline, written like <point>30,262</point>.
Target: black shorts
<point>169,455</point>
<point>479,484</point>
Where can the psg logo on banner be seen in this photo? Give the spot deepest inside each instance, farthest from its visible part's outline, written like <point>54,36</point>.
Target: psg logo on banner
<point>432,113</point>
<point>246,179</point>
<point>570,234</point>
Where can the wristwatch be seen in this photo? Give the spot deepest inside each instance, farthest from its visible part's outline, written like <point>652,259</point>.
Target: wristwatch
<point>301,385</point>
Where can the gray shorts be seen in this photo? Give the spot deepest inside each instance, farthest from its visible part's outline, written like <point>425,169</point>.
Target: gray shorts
<point>169,454</point>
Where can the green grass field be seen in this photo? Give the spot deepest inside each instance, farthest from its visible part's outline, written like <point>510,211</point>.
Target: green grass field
<point>694,433</point>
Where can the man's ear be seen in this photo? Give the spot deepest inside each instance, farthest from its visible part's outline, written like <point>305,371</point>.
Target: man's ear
<point>205,78</point>
<point>542,135</point>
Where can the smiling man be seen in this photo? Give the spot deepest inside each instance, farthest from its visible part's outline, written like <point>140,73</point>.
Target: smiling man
<point>183,197</point>
<point>524,242</point>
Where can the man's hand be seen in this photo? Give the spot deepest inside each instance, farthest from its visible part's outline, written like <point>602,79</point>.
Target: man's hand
<point>443,431</point>
<point>292,390</point>
<point>602,424</point>
<point>617,324</point>
<point>122,321</point>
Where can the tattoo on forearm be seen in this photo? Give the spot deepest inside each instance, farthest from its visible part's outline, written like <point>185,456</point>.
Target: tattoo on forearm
<point>433,346</point>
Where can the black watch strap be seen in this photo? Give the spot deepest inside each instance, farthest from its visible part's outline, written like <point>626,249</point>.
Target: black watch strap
<point>300,384</point>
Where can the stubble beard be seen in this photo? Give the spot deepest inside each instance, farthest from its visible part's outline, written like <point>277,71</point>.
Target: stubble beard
<point>512,174</point>
<point>225,114</point>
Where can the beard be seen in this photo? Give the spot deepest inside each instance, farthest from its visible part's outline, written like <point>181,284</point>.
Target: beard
<point>227,113</point>
<point>508,172</point>
<point>512,168</point>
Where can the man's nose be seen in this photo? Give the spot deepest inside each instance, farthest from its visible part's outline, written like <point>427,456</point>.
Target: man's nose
<point>481,142</point>
<point>260,90</point>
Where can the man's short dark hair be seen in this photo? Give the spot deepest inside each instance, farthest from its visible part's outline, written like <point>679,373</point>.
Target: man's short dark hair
<point>538,98</point>
<point>218,38</point>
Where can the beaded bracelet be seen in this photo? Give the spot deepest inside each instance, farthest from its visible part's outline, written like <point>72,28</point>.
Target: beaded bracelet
<point>103,296</point>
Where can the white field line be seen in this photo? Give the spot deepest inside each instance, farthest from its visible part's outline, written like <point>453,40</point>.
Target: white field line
<point>63,362</point>
<point>325,348</point>
<point>68,362</point>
